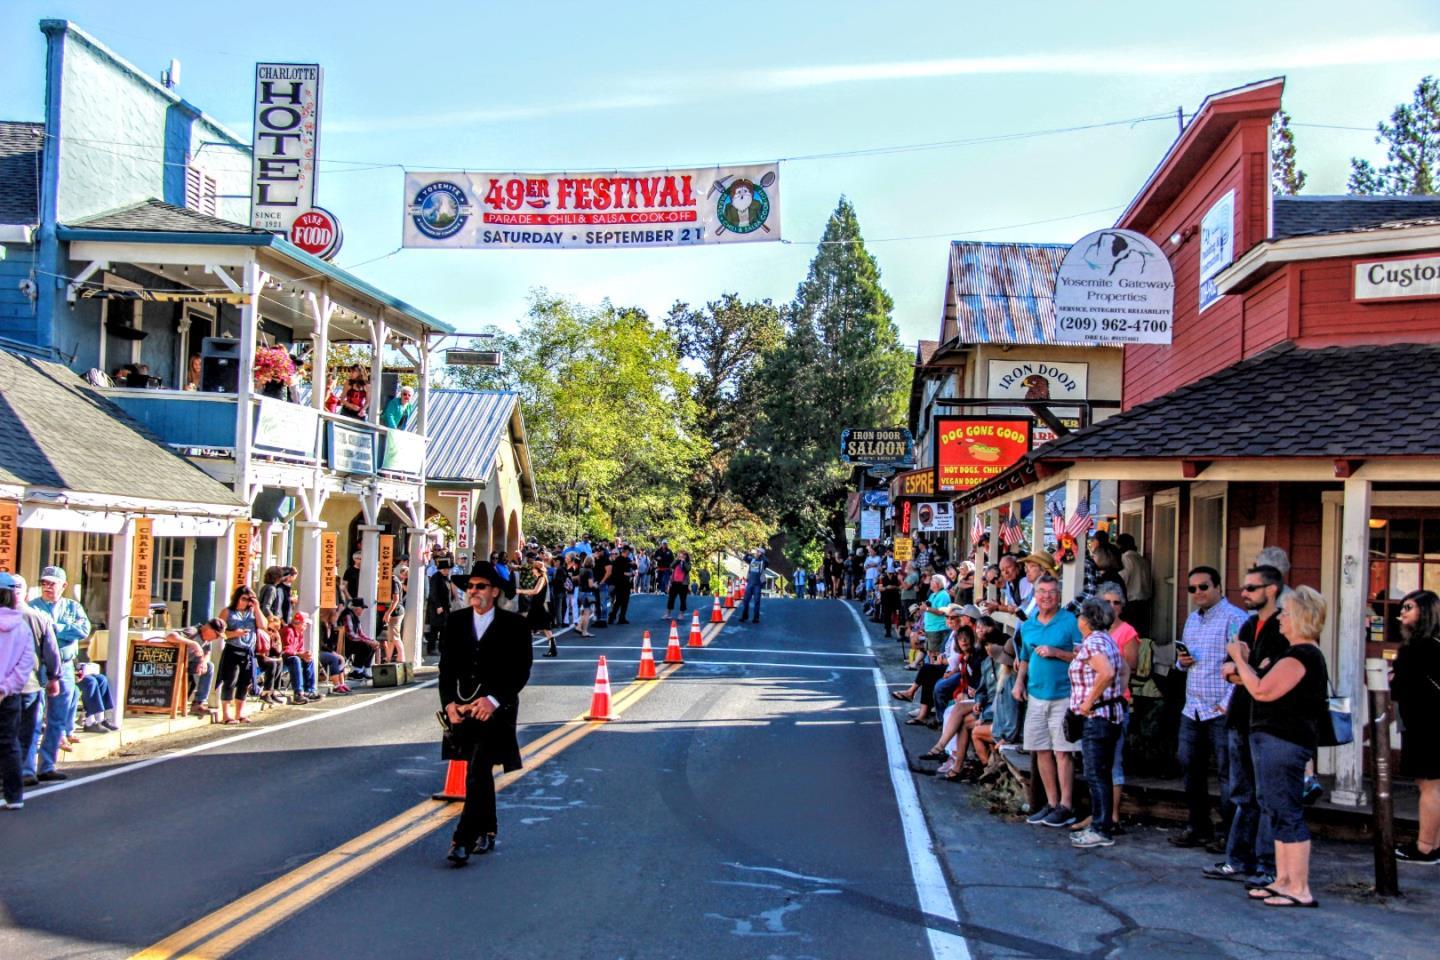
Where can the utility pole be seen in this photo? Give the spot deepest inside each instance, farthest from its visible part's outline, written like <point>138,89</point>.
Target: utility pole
<point>1180,118</point>
<point>1387,882</point>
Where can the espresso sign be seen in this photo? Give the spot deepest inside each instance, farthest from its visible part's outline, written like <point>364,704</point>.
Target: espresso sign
<point>142,577</point>
<point>155,680</point>
<point>913,483</point>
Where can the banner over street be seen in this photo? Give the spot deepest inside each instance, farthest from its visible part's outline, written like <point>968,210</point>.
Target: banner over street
<point>656,208</point>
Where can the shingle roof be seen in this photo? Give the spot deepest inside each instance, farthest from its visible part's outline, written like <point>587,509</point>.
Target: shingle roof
<point>59,432</point>
<point>1313,216</point>
<point>924,350</point>
<point>1001,292</point>
<point>465,428</point>
<point>21,151</point>
<point>162,217</point>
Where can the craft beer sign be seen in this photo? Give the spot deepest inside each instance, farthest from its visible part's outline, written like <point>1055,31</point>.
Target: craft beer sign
<point>286,140</point>
<point>142,574</point>
<point>9,535</point>
<point>592,211</point>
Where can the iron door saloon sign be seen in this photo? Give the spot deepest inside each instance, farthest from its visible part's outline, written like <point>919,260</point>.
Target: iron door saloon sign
<point>892,447</point>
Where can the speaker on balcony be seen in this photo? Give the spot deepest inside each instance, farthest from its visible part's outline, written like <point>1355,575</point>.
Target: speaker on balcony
<point>220,365</point>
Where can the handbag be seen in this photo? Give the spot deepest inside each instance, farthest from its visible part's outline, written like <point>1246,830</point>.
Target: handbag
<point>1075,722</point>
<point>1337,727</point>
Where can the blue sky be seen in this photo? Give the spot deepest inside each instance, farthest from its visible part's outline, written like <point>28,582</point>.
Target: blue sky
<point>541,86</point>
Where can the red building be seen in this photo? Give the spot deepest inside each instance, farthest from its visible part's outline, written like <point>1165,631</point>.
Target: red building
<point>1296,406</point>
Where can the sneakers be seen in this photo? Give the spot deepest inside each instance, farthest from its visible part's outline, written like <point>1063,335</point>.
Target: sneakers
<point>17,805</point>
<point>1039,815</point>
<point>1312,792</point>
<point>51,776</point>
<point>1410,853</point>
<point>1223,871</point>
<point>1059,817</point>
<point>1090,837</point>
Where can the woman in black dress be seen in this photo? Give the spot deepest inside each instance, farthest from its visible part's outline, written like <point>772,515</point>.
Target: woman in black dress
<point>535,588</point>
<point>1416,688</point>
<point>889,587</point>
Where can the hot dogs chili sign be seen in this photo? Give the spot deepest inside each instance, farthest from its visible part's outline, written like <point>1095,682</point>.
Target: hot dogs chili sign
<point>592,211</point>
<point>972,450</point>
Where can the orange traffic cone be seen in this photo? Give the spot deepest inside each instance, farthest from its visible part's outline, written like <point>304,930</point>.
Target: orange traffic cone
<point>647,660</point>
<point>740,592</point>
<point>600,699</point>
<point>715,615</point>
<point>454,789</point>
<point>672,649</point>
<point>729,601</point>
<point>695,639</point>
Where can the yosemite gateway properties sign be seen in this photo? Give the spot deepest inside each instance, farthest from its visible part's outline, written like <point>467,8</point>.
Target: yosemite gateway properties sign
<point>1114,286</point>
<point>540,211</point>
<point>972,450</point>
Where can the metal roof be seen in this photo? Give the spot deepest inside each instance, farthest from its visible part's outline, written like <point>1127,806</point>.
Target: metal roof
<point>465,428</point>
<point>1001,292</point>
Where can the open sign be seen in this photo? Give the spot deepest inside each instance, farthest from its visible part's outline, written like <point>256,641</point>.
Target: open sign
<point>317,232</point>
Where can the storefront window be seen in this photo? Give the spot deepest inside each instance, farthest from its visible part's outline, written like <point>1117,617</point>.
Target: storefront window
<point>1404,556</point>
<point>95,577</point>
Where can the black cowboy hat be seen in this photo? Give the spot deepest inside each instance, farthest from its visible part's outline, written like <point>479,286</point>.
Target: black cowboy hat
<point>486,569</point>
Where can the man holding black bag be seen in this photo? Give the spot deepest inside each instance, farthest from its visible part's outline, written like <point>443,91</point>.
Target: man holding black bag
<point>485,661</point>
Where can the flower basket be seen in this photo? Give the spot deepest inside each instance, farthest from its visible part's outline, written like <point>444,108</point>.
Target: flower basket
<point>273,365</point>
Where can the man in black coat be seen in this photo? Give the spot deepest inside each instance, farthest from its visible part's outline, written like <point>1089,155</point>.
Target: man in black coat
<point>437,602</point>
<point>485,660</point>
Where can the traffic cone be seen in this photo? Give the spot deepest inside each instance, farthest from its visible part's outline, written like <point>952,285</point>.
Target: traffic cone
<point>600,699</point>
<point>695,639</point>
<point>454,789</point>
<point>647,660</point>
<point>672,649</point>
<point>740,592</point>
<point>729,601</point>
<point>715,615</point>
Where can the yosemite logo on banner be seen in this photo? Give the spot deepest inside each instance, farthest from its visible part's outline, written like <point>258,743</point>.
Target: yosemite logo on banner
<point>1114,286</point>
<point>546,211</point>
<point>971,450</point>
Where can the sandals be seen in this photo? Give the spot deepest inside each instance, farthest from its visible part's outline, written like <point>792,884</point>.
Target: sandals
<point>936,755</point>
<point>917,722</point>
<point>1288,902</point>
<point>907,697</point>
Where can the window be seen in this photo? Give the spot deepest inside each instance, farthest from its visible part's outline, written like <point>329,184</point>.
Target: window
<point>1207,527</point>
<point>1404,556</point>
<point>199,191</point>
<point>95,577</point>
<point>170,569</point>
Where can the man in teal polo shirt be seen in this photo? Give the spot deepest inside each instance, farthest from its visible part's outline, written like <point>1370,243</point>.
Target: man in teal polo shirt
<point>1047,644</point>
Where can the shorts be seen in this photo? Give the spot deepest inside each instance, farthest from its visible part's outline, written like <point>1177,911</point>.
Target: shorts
<point>935,640</point>
<point>1045,726</point>
<point>586,601</point>
<point>1279,785</point>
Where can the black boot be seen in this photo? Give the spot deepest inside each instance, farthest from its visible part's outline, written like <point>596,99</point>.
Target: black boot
<point>552,652</point>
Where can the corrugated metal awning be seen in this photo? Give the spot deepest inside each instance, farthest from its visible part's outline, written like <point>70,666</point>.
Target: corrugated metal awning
<point>465,429</point>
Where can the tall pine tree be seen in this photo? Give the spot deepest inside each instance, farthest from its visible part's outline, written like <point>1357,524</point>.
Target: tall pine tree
<point>1286,179</point>
<point>1412,144</point>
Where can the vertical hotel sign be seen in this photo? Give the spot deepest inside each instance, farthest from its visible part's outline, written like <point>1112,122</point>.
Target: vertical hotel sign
<point>286,141</point>
<point>142,575</point>
<point>9,534</point>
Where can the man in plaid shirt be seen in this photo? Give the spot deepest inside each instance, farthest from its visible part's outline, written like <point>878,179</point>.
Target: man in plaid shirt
<point>1212,622</point>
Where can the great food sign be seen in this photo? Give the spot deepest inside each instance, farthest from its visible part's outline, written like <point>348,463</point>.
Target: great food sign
<point>592,211</point>
<point>972,450</point>
<point>1114,286</point>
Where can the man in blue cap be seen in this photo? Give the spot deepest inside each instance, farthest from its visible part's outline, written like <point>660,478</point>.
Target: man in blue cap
<point>72,628</point>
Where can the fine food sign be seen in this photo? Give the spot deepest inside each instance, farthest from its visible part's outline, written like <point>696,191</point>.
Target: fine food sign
<point>1114,286</point>
<point>972,450</point>
<point>893,447</point>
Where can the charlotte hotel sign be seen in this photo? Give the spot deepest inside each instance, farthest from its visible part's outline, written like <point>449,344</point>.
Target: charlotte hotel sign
<point>286,139</point>
<point>1397,279</point>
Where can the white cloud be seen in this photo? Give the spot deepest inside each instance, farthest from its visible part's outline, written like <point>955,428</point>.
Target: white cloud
<point>483,115</point>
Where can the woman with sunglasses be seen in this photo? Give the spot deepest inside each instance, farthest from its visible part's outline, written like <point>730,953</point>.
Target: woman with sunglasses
<point>1416,687</point>
<point>237,659</point>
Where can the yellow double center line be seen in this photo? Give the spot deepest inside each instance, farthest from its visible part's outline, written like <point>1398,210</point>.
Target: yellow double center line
<point>235,924</point>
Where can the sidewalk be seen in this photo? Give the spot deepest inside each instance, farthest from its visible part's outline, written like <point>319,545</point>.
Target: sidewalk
<point>1023,891</point>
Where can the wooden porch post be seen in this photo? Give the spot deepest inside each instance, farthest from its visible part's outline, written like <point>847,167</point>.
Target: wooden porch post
<point>1348,673</point>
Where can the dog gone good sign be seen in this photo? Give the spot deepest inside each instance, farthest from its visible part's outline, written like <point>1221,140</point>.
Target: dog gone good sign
<point>592,211</point>
<point>971,450</point>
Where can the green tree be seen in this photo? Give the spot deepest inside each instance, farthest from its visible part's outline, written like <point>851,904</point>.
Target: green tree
<point>1286,178</point>
<point>841,364</point>
<point>1412,145</point>
<point>608,415</point>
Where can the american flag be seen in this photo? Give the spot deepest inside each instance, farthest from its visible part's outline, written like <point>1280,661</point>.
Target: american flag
<point>977,530</point>
<point>1010,532</point>
<point>1057,521</point>
<point>1079,523</point>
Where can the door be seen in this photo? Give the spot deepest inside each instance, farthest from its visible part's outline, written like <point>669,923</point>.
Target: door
<point>1163,563</point>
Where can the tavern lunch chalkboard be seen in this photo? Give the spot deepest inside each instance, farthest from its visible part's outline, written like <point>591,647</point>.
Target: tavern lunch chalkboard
<point>155,682</point>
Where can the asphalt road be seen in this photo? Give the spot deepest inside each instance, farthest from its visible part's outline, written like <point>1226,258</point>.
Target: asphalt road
<point>740,807</point>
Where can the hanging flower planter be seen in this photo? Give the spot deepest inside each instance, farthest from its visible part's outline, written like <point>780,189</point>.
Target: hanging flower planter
<point>273,365</point>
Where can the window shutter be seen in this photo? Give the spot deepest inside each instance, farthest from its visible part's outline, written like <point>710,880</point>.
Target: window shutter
<point>199,191</point>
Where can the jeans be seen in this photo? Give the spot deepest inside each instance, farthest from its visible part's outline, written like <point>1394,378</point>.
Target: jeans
<point>1250,848</point>
<point>334,666</point>
<point>29,732</point>
<point>620,612</point>
<point>10,762</point>
<point>1117,769</point>
<point>945,689</point>
<point>95,695</point>
<point>602,602</point>
<point>752,592</point>
<point>302,675</point>
<point>1097,745</point>
<point>1198,739</point>
<point>663,584</point>
<point>59,717</point>
<point>1279,784</point>
<point>203,682</point>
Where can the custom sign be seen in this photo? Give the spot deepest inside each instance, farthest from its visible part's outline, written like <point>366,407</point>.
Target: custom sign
<point>935,517</point>
<point>878,499</point>
<point>351,450</point>
<point>286,140</point>
<point>329,563</point>
<point>385,569</point>
<point>317,232</point>
<point>870,524</point>
<point>1217,245</point>
<point>893,447</point>
<point>9,535</point>
<point>241,558</point>
<point>971,450</point>
<point>913,483</point>
<point>1404,279</point>
<point>142,570</point>
<point>155,678</point>
<point>286,428</point>
<point>904,549</point>
<point>592,211</point>
<point>1114,286</point>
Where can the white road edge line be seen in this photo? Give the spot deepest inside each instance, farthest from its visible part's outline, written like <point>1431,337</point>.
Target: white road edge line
<point>695,662</point>
<point>222,742</point>
<point>930,886</point>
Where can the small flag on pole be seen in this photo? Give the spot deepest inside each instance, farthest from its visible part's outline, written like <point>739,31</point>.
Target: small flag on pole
<point>1010,532</point>
<point>977,530</point>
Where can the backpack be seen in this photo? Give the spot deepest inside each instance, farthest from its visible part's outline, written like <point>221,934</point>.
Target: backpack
<point>1154,660</point>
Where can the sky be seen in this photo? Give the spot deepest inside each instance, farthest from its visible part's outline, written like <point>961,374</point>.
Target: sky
<point>836,91</point>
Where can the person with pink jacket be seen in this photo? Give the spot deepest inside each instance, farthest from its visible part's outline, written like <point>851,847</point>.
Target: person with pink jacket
<point>17,661</point>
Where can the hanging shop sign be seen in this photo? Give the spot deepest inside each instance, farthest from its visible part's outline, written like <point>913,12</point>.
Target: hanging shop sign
<point>1114,286</point>
<point>1055,381</point>
<point>1217,246</point>
<point>892,447</point>
<point>285,141</point>
<point>142,568</point>
<point>9,535</point>
<point>241,558</point>
<point>287,429</point>
<point>329,564</point>
<point>913,483</point>
<point>904,549</point>
<point>935,517</point>
<point>1405,279</point>
<point>385,569</point>
<point>971,450</point>
<point>876,499</point>
<point>592,211</point>
<point>317,232</point>
<point>351,451</point>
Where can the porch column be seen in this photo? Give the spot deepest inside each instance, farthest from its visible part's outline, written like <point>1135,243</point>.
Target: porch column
<point>253,283</point>
<point>1348,671</point>
<point>309,554</point>
<point>1037,522</point>
<point>992,552</point>
<point>122,549</point>
<point>1072,583</point>
<point>415,601</point>
<point>369,570</point>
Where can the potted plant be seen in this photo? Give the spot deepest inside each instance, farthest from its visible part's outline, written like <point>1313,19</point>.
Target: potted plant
<point>274,370</point>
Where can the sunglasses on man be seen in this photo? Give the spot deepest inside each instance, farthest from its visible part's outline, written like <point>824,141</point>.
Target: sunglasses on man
<point>477,585</point>
<point>1200,588</point>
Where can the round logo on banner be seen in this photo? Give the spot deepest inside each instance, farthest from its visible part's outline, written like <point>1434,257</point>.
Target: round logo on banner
<point>440,210</point>
<point>744,206</point>
<point>317,232</point>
